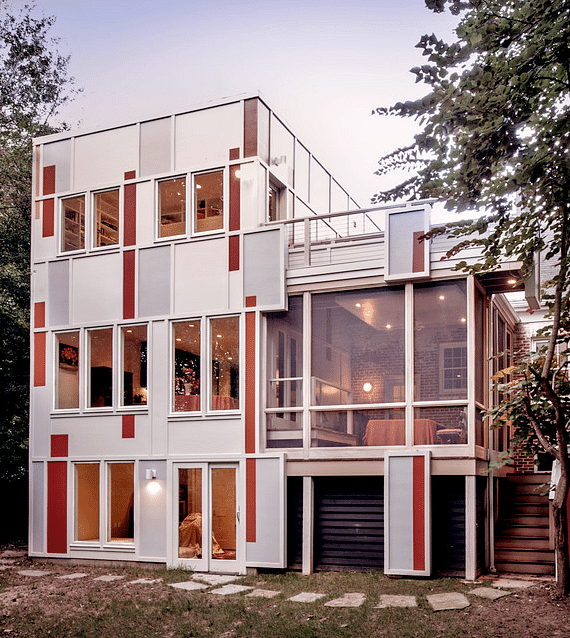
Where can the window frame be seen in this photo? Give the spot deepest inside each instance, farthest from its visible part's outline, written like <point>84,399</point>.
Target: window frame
<point>194,211</point>
<point>56,366</point>
<point>158,215</point>
<point>62,224</point>
<point>94,221</point>
<point>120,404</point>
<point>458,393</point>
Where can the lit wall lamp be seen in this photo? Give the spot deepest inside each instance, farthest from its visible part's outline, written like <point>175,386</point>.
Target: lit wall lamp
<point>150,475</point>
<point>367,387</point>
<point>153,487</point>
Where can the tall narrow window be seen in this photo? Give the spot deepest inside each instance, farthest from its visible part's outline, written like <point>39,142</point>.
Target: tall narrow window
<point>209,201</point>
<point>87,502</point>
<point>186,374</point>
<point>73,223</point>
<point>135,384</point>
<point>67,352</point>
<point>101,368</point>
<point>172,207</point>
<point>121,502</point>
<point>106,218</point>
<point>225,363</point>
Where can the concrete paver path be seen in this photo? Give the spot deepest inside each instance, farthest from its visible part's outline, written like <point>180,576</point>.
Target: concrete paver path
<point>391,600</point>
<point>450,600</point>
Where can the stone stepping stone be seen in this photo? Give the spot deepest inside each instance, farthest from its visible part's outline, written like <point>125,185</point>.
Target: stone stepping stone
<point>108,578</point>
<point>306,597</point>
<point>450,600</point>
<point>215,579</point>
<point>512,583</point>
<point>33,572</point>
<point>13,554</point>
<point>348,600</point>
<point>226,590</point>
<point>263,593</point>
<point>145,581</point>
<point>489,593</point>
<point>392,600</point>
<point>5,567</point>
<point>72,576</point>
<point>189,585</point>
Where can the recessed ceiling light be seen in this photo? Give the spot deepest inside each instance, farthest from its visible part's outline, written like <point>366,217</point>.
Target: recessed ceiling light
<point>358,305</point>
<point>442,297</point>
<point>463,319</point>
<point>512,282</point>
<point>388,326</point>
<point>219,336</point>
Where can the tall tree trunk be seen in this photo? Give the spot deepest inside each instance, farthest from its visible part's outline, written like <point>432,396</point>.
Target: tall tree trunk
<point>560,516</point>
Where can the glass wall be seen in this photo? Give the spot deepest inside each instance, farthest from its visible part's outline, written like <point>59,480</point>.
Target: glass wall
<point>67,383</point>
<point>73,223</point>
<point>87,502</point>
<point>187,371</point>
<point>101,368</point>
<point>121,502</point>
<point>209,201</point>
<point>106,217</point>
<point>135,362</point>
<point>172,207</point>
<point>224,348</point>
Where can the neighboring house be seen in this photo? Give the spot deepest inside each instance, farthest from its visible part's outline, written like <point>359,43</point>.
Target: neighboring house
<point>236,367</point>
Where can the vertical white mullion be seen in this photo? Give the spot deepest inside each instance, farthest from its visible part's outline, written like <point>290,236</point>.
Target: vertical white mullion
<point>308,524</point>
<point>409,361</point>
<point>471,363</point>
<point>470,527</point>
<point>307,380</point>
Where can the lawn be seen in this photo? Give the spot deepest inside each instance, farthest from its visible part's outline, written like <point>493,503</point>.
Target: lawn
<point>47,606</point>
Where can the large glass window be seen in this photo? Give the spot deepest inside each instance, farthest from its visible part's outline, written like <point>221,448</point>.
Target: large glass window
<point>106,218</point>
<point>73,223</point>
<point>121,502</point>
<point>67,387</point>
<point>224,335</point>
<point>172,207</point>
<point>358,347</point>
<point>135,362</point>
<point>209,201</point>
<point>440,341</point>
<point>101,368</point>
<point>87,502</point>
<point>186,365</point>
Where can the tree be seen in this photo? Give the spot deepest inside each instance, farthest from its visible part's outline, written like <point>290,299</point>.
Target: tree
<point>33,86</point>
<point>495,132</point>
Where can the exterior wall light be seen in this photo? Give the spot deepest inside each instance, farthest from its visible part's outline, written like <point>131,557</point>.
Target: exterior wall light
<point>153,487</point>
<point>367,386</point>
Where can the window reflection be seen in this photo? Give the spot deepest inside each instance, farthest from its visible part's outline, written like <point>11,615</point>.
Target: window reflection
<point>224,333</point>
<point>172,207</point>
<point>73,226</point>
<point>67,394</point>
<point>106,209</point>
<point>135,362</point>
<point>209,201</point>
<point>187,372</point>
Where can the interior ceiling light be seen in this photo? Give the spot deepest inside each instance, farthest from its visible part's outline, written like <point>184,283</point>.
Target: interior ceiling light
<point>388,326</point>
<point>367,386</point>
<point>358,305</point>
<point>463,319</point>
<point>512,282</point>
<point>442,297</point>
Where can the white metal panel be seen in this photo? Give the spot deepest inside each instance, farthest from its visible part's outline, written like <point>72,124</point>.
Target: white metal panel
<point>203,138</point>
<point>58,154</point>
<point>152,516</point>
<point>146,219</point>
<point>37,506</point>
<point>103,158</point>
<point>269,548</point>
<point>154,281</point>
<point>97,288</point>
<point>155,146</point>
<point>160,384</point>
<point>252,194</point>
<point>40,406</point>
<point>319,188</point>
<point>205,437</point>
<point>43,247</point>
<point>264,268</point>
<point>58,293</point>
<point>39,282</point>
<point>401,227</point>
<point>281,151</point>
<point>201,276</point>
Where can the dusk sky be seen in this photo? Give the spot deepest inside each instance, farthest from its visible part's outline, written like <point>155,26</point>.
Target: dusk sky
<point>321,65</point>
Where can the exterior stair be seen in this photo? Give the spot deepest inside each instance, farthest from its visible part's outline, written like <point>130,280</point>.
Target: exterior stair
<point>522,544</point>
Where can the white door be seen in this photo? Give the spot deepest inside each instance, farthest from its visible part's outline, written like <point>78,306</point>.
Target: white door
<point>207,517</point>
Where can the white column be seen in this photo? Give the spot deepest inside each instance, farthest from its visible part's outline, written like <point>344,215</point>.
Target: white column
<point>308,524</point>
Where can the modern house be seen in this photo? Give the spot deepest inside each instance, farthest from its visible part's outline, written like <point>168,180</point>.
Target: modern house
<point>234,366</point>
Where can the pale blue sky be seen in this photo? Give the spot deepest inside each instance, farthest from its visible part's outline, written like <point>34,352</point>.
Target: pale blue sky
<point>322,66</point>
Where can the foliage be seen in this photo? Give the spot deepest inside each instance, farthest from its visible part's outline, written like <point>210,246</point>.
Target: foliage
<point>495,138</point>
<point>33,86</point>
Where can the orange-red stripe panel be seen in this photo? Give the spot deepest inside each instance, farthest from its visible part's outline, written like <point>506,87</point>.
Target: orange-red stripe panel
<point>49,180</point>
<point>250,128</point>
<point>39,359</point>
<point>419,513</point>
<point>128,426</point>
<point>59,445</point>
<point>235,202</point>
<point>130,215</point>
<point>418,247</point>
<point>40,314</point>
<point>57,507</point>
<point>47,218</point>
<point>129,284</point>
<point>233,253</point>
<point>250,500</point>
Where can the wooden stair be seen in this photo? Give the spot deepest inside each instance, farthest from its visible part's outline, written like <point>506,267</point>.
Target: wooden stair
<point>522,532</point>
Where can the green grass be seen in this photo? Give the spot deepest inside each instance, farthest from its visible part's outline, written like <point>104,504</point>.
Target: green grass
<point>92,609</point>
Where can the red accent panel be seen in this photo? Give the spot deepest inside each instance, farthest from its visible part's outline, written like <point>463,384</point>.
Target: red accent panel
<point>59,445</point>
<point>128,426</point>
<point>419,514</point>
<point>234,253</point>
<point>251,302</point>
<point>129,284</point>
<point>48,218</point>
<point>250,127</point>
<point>40,314</point>
<point>39,359</point>
<point>234,154</point>
<point>235,204</point>
<point>130,216</point>
<point>418,248</point>
<point>57,508</point>
<point>250,382</point>
<point>250,501</point>
<point>49,180</point>
<point>130,175</point>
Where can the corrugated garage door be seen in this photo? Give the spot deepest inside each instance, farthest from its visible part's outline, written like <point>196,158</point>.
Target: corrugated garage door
<point>349,523</point>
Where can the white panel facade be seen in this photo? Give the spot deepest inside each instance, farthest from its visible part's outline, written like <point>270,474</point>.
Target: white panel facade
<point>97,288</point>
<point>213,437</point>
<point>203,138</point>
<point>201,277</point>
<point>101,159</point>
